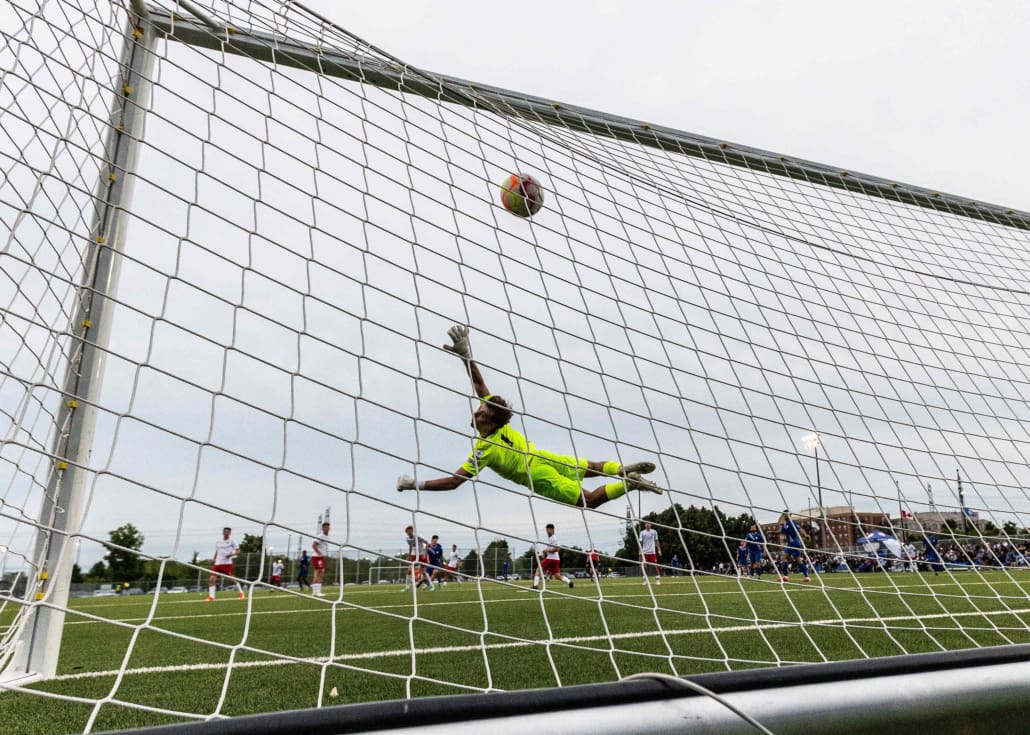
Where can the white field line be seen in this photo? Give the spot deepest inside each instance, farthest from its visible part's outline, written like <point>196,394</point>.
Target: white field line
<point>529,596</point>
<point>574,640</point>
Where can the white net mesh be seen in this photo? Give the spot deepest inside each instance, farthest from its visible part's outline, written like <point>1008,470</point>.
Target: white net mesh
<point>295,248</point>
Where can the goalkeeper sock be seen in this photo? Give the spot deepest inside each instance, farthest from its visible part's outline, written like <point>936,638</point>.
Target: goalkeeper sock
<point>615,490</point>
<point>611,468</point>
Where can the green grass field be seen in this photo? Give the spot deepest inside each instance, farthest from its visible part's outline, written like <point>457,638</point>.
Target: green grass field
<point>184,654</point>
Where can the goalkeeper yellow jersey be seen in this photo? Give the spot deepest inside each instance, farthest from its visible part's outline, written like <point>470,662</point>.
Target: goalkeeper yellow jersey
<point>505,451</point>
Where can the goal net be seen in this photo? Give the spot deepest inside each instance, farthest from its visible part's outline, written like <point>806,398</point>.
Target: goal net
<point>235,236</point>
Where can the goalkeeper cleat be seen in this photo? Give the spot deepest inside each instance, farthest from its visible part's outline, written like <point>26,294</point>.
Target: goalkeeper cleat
<point>635,481</point>
<point>642,468</point>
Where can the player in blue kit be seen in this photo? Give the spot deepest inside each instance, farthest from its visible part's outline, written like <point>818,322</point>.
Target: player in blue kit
<point>434,557</point>
<point>933,554</point>
<point>793,548</point>
<point>743,558</point>
<point>755,540</point>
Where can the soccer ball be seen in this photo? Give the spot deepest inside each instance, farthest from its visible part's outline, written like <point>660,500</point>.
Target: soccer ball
<point>521,194</point>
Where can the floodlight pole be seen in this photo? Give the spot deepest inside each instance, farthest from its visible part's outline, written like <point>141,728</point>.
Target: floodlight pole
<point>962,504</point>
<point>811,441</point>
<point>901,510</point>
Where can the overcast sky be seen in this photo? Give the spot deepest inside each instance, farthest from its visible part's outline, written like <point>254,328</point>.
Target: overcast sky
<point>928,92</point>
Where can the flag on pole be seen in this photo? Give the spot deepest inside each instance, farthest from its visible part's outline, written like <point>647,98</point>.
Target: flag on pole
<point>907,514</point>
<point>970,513</point>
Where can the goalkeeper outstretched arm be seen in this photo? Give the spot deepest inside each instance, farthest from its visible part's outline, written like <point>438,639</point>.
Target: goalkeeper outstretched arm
<point>460,346</point>
<point>407,482</point>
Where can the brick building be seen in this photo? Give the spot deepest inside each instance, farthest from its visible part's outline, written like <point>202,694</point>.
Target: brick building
<point>843,526</point>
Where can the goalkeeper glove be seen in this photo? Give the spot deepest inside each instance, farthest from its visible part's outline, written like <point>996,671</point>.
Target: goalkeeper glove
<point>460,338</point>
<point>407,482</point>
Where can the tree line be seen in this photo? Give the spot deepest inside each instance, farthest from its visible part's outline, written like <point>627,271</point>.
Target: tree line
<point>700,536</point>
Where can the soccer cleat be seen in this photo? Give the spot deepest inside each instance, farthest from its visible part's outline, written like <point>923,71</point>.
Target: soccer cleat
<point>636,481</point>
<point>209,599</point>
<point>784,579</point>
<point>807,579</point>
<point>319,594</point>
<point>243,596</point>
<point>406,588</point>
<point>641,468</point>
<point>658,581</point>
<point>570,584</point>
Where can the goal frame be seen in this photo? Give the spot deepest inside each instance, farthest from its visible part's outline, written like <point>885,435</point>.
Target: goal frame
<point>60,519</point>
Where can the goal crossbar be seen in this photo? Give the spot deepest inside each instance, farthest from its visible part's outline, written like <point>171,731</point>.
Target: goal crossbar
<point>404,78</point>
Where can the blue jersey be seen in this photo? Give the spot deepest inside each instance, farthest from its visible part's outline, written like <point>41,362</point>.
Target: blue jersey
<point>793,534</point>
<point>302,570</point>
<point>755,539</point>
<point>930,546</point>
<point>434,554</point>
<point>743,555</point>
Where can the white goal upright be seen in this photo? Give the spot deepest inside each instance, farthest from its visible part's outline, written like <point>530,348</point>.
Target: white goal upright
<point>235,236</point>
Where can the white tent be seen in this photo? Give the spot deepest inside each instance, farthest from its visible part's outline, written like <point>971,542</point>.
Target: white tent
<point>871,542</point>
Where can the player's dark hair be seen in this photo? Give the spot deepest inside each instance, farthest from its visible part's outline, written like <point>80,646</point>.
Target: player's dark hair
<point>549,525</point>
<point>226,528</point>
<point>500,411</point>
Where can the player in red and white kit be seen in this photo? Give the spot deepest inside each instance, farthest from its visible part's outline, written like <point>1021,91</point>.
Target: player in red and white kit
<point>320,549</point>
<point>550,560</point>
<point>417,556</point>
<point>221,564</point>
<point>453,562</point>
<point>650,550</point>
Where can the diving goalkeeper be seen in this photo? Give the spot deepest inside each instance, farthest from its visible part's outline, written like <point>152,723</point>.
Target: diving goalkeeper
<point>506,451</point>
